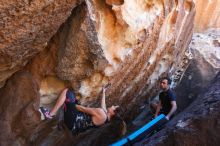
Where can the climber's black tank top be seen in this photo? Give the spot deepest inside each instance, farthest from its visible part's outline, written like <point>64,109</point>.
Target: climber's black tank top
<point>75,120</point>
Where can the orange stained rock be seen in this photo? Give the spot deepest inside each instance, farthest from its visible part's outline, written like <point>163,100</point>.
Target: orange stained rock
<point>207,15</point>
<point>115,2</point>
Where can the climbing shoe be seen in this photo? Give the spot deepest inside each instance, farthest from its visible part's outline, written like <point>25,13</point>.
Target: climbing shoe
<point>46,113</point>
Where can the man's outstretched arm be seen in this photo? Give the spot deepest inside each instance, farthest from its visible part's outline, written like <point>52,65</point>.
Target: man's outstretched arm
<point>173,109</point>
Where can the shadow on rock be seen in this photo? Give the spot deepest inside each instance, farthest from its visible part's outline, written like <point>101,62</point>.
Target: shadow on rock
<point>47,134</point>
<point>198,125</point>
<point>19,105</point>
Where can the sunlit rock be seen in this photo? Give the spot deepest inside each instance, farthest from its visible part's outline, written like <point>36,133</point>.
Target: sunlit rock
<point>91,87</point>
<point>80,54</point>
<point>140,40</point>
<point>50,88</point>
<point>205,47</point>
<point>25,29</point>
<point>115,2</point>
<point>207,15</point>
<point>128,43</point>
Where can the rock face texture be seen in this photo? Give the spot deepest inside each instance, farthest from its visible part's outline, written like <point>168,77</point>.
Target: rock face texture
<point>138,47</point>
<point>25,29</point>
<point>48,134</point>
<point>86,44</point>
<point>145,48</point>
<point>203,66</point>
<point>207,15</point>
<point>206,47</point>
<point>198,125</point>
<point>129,44</point>
<point>19,109</point>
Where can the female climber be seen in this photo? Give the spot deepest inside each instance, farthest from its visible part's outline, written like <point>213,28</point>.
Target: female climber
<point>78,118</point>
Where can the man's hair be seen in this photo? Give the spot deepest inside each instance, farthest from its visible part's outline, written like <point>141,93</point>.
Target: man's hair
<point>166,78</point>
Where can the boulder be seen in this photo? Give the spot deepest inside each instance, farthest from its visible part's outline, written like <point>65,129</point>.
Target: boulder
<point>19,109</point>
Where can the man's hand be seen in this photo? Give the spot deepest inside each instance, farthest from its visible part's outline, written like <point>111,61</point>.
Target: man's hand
<point>173,109</point>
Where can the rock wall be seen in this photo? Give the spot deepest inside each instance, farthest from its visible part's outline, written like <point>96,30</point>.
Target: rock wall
<point>207,15</point>
<point>128,48</point>
<point>197,125</point>
<point>202,68</point>
<point>47,134</point>
<point>112,42</point>
<point>26,28</point>
<point>140,44</point>
<point>87,44</point>
<point>19,109</point>
<point>205,48</point>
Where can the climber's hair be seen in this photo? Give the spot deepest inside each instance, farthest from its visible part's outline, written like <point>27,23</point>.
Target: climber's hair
<point>118,117</point>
